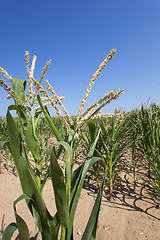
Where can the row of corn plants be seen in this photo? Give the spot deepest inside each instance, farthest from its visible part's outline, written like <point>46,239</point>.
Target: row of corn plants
<point>139,128</point>
<point>24,140</point>
<point>150,142</point>
<point>144,127</point>
<point>137,132</point>
<point>3,137</point>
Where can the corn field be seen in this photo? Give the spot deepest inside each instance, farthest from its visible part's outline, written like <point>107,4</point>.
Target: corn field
<point>38,146</point>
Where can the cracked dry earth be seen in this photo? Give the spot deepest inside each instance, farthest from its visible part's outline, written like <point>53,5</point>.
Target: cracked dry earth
<point>131,214</point>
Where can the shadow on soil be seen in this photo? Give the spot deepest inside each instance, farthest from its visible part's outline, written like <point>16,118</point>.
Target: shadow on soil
<point>127,195</point>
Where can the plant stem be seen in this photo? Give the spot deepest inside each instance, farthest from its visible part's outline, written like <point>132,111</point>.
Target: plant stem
<point>36,162</point>
<point>63,232</point>
<point>33,121</point>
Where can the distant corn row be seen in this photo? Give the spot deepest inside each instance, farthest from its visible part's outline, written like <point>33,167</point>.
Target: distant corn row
<point>112,115</point>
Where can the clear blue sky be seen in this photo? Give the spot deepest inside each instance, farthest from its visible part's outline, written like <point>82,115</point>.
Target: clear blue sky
<point>77,36</point>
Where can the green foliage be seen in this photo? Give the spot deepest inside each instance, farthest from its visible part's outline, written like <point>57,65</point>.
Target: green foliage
<point>67,186</point>
<point>135,133</point>
<point>3,130</point>
<point>115,138</point>
<point>89,137</point>
<point>150,141</point>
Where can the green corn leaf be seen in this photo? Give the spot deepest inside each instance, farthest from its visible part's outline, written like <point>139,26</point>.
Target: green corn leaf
<point>3,144</point>
<point>89,162</point>
<point>28,182</point>
<point>22,226</point>
<point>28,131</point>
<point>37,219</point>
<point>58,153</point>
<point>37,116</point>
<point>54,129</point>
<point>106,148</point>
<point>55,225</point>
<point>76,176</point>
<point>68,157</point>
<point>10,229</point>
<point>19,155</point>
<point>76,191</point>
<point>91,228</point>
<point>19,86</point>
<point>92,130</point>
<point>59,189</point>
<point>68,150</point>
<point>85,138</point>
<point>68,162</point>
<point>92,148</point>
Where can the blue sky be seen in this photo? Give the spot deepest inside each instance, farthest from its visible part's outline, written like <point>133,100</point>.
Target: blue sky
<point>77,36</point>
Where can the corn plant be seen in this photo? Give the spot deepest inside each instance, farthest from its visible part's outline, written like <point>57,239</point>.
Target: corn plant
<point>135,134</point>
<point>3,130</point>
<point>66,187</point>
<point>23,139</point>
<point>150,140</point>
<point>88,139</point>
<point>4,137</point>
<point>115,138</point>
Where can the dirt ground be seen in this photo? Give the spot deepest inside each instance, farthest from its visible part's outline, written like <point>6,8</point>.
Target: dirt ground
<point>131,214</point>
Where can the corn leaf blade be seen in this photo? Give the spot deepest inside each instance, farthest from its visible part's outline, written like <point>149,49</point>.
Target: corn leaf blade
<point>90,231</point>
<point>22,226</point>
<point>59,189</point>
<point>19,86</point>
<point>28,131</point>
<point>9,231</point>
<point>89,162</point>
<point>92,130</point>
<point>28,182</point>
<point>54,129</point>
